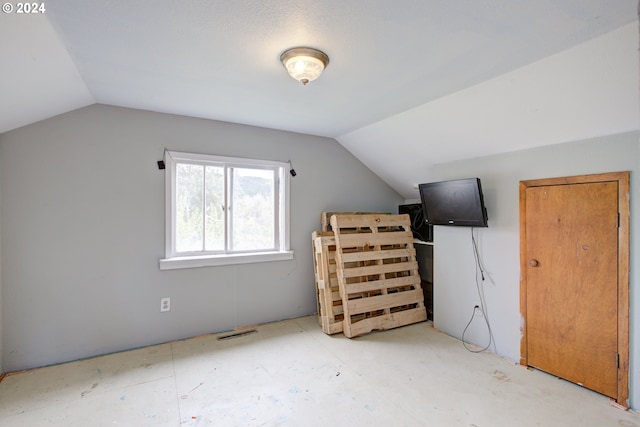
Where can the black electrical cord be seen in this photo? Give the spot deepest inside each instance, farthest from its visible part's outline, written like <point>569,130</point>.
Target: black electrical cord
<point>482,307</point>
<point>417,223</point>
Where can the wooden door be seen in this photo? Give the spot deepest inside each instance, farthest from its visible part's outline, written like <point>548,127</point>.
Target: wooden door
<point>570,292</point>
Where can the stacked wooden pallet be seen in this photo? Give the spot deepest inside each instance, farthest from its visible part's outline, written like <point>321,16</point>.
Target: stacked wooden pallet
<point>366,274</point>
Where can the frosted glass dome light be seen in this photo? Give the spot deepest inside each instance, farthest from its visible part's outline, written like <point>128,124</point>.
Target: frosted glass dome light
<point>304,64</point>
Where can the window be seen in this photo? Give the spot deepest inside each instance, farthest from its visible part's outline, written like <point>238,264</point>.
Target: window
<point>225,210</point>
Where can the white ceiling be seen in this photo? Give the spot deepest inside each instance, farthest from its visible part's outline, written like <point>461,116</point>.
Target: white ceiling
<point>410,73</point>
<point>587,91</point>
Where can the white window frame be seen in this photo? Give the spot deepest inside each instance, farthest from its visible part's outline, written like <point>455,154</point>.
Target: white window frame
<point>176,260</point>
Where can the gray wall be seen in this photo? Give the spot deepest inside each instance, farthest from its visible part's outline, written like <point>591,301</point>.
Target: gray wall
<point>454,268</point>
<point>1,366</point>
<point>83,228</point>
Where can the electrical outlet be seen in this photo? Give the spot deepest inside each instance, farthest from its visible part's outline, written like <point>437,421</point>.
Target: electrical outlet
<point>477,309</point>
<point>165,304</point>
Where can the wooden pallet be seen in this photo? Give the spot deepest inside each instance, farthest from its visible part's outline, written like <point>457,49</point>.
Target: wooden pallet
<point>316,273</point>
<point>377,272</point>
<point>325,218</point>
<point>330,314</point>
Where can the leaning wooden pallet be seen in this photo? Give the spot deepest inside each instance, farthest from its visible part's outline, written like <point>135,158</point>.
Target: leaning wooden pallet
<point>330,313</point>
<point>325,218</point>
<point>329,301</point>
<point>316,273</point>
<point>377,273</point>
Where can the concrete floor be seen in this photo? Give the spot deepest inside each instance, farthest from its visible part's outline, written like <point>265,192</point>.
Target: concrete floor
<point>290,373</point>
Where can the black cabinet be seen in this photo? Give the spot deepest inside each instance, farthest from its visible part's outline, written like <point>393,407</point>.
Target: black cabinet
<point>424,256</point>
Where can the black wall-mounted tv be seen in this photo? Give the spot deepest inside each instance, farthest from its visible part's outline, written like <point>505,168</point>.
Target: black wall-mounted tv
<point>459,202</point>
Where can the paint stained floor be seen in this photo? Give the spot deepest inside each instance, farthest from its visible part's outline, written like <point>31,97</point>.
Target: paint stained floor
<point>290,373</point>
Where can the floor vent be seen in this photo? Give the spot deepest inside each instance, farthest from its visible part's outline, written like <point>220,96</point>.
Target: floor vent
<point>237,334</point>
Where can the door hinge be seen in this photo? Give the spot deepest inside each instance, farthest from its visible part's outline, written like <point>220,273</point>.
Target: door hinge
<point>618,220</point>
<point>618,360</point>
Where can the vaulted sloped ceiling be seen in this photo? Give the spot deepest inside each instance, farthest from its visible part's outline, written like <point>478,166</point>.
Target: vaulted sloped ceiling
<point>434,80</point>
<point>38,78</point>
<point>587,91</point>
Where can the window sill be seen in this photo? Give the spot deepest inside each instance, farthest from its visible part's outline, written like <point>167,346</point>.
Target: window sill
<point>217,260</point>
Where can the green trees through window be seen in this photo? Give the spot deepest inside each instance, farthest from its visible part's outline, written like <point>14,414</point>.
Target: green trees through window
<point>252,206</point>
<point>199,208</point>
<point>222,207</point>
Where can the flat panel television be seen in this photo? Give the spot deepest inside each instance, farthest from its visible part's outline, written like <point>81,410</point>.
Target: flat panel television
<point>459,203</point>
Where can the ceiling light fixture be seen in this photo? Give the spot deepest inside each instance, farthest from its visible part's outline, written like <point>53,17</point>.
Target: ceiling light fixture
<point>304,64</point>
